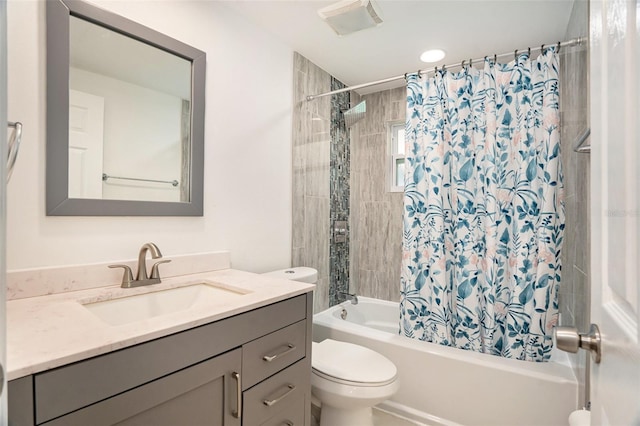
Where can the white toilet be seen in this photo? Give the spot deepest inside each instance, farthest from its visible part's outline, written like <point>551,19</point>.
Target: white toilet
<point>347,379</point>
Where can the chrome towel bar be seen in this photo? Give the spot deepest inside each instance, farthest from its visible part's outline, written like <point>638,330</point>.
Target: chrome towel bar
<point>105,177</point>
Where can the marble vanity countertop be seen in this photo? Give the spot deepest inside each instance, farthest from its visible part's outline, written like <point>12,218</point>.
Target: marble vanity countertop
<point>50,331</point>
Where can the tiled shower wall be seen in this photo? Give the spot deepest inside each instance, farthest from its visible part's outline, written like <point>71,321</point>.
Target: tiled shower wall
<point>311,160</point>
<point>376,213</point>
<point>342,174</point>
<point>574,301</point>
<point>320,180</point>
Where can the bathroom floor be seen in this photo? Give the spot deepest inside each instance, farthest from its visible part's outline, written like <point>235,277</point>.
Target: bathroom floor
<point>380,418</point>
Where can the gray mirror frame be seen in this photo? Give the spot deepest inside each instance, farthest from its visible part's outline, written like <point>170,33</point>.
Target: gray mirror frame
<point>58,202</point>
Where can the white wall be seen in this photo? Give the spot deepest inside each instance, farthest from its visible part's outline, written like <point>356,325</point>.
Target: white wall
<point>247,201</point>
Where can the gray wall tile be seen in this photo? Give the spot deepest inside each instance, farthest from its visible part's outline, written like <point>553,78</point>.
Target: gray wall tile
<point>310,187</point>
<point>321,181</point>
<point>317,234</point>
<point>376,213</point>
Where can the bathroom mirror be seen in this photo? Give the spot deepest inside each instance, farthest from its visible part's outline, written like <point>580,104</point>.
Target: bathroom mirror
<point>125,117</point>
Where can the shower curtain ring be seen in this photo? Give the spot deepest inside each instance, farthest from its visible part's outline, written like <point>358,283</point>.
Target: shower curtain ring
<point>470,62</point>
<point>515,54</point>
<point>529,52</point>
<point>495,59</point>
<point>558,49</point>
<point>462,63</point>
<point>542,49</point>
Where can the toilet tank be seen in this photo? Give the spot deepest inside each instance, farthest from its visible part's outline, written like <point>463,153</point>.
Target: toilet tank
<point>299,273</point>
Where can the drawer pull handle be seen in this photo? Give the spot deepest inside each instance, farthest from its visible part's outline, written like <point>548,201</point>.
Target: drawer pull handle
<point>272,402</point>
<point>238,411</point>
<point>269,358</point>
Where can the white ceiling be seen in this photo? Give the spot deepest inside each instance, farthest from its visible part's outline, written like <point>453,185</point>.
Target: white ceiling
<point>464,29</point>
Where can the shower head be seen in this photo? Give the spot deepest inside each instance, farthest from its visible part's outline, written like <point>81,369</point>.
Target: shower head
<point>355,114</point>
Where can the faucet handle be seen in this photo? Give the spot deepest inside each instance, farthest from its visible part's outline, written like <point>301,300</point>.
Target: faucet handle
<point>155,272</point>
<point>127,276</point>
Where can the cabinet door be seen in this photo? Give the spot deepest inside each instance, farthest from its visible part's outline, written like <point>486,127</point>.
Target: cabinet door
<point>204,394</point>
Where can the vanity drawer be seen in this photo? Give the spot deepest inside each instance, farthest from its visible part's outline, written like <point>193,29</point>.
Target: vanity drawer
<point>267,355</point>
<point>291,415</point>
<point>277,394</point>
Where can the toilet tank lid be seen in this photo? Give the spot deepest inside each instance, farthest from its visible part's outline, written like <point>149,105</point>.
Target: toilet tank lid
<point>299,273</point>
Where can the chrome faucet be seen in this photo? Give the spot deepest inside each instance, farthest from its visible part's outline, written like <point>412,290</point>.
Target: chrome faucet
<point>349,296</point>
<point>142,260</point>
<point>142,278</point>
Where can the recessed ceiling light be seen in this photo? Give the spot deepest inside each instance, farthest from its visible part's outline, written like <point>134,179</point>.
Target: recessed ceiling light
<point>433,55</point>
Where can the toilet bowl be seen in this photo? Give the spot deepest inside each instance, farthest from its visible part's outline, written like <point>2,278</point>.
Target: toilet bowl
<point>349,380</point>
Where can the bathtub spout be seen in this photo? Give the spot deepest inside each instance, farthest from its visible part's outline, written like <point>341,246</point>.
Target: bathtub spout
<point>352,297</point>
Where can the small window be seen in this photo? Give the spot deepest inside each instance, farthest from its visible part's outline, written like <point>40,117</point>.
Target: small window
<point>396,168</point>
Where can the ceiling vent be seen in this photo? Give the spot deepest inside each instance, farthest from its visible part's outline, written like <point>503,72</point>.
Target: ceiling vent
<point>349,16</point>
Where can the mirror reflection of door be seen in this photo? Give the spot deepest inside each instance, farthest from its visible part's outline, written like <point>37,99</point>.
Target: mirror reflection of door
<point>86,123</point>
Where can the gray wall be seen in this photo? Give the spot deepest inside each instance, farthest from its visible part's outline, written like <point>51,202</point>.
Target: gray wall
<point>575,289</point>
<point>376,213</point>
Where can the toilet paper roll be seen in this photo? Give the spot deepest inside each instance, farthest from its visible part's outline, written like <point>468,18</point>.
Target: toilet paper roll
<point>580,418</point>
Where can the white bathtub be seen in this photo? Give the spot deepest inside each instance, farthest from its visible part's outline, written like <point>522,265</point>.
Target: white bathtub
<point>440,385</point>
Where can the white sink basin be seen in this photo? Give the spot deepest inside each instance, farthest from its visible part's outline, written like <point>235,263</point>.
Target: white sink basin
<point>129,309</point>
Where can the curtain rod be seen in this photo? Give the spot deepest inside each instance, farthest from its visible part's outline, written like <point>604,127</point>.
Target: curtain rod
<point>569,43</point>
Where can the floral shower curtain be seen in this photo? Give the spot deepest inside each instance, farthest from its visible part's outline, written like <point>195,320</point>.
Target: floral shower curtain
<point>483,208</point>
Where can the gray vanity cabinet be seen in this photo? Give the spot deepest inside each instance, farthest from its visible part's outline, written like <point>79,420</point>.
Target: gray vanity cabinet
<point>250,369</point>
<point>196,396</point>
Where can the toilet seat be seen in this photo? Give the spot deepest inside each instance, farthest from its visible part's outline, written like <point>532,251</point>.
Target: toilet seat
<point>350,364</point>
<point>349,382</point>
